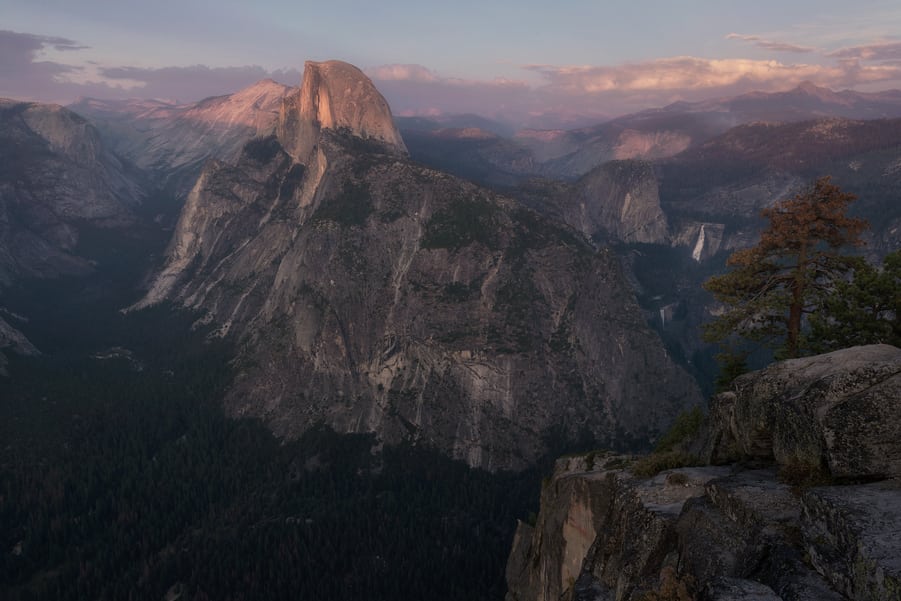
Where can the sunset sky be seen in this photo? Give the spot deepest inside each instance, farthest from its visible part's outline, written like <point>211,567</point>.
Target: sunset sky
<point>508,59</point>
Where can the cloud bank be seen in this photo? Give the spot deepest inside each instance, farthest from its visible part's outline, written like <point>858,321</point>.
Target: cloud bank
<point>24,76</point>
<point>546,95</point>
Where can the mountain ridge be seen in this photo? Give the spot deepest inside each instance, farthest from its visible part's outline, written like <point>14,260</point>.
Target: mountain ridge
<point>374,294</point>
<point>172,141</point>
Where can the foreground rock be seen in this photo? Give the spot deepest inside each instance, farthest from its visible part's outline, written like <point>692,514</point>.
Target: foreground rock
<point>839,411</point>
<point>853,534</point>
<point>731,532</point>
<point>604,534</point>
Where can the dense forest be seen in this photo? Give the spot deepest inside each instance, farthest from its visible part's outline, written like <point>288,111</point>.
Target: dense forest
<point>121,478</point>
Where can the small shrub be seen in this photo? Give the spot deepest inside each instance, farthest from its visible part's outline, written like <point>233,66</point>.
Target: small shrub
<point>677,479</point>
<point>462,223</point>
<point>653,464</point>
<point>456,292</point>
<point>351,207</point>
<point>686,426</point>
<point>801,474</point>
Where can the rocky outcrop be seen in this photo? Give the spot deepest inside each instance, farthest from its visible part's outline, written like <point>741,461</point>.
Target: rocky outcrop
<point>739,531</point>
<point>604,533</point>
<point>838,411</point>
<point>56,176</point>
<point>338,96</point>
<point>373,294</point>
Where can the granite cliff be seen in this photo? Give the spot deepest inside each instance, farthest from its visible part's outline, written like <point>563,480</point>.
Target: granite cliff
<point>337,96</point>
<point>374,294</point>
<point>800,499</point>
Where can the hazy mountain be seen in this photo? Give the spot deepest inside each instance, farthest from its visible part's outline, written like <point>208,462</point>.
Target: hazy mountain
<point>454,121</point>
<point>173,141</point>
<point>806,101</point>
<point>731,177</point>
<point>675,220</point>
<point>56,176</point>
<point>373,294</point>
<point>660,133</point>
<point>56,180</point>
<point>475,154</point>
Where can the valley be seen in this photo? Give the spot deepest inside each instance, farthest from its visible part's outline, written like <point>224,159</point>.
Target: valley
<point>283,342</point>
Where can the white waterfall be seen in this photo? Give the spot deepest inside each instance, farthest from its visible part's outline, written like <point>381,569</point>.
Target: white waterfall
<point>699,246</point>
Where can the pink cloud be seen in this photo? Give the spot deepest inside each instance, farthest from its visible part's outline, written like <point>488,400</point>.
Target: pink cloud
<point>884,51</point>
<point>416,90</point>
<point>25,77</point>
<point>688,74</point>
<point>401,73</point>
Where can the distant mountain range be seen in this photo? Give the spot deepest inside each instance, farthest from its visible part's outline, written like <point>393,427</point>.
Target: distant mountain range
<point>56,175</point>
<point>173,141</point>
<point>651,134</point>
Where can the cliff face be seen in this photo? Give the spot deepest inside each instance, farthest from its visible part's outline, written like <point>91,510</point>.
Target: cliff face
<point>335,95</point>
<point>621,199</point>
<point>739,532</point>
<point>373,294</point>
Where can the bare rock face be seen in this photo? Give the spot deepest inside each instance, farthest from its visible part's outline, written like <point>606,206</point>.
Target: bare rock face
<point>621,200</point>
<point>338,96</point>
<point>840,410</point>
<point>603,533</point>
<point>376,295</point>
<point>728,532</point>
<point>852,535</point>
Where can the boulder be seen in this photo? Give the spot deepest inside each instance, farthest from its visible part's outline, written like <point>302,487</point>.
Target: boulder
<point>840,411</point>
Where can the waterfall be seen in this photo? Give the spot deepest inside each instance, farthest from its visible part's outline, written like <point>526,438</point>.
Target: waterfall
<point>663,317</point>
<point>699,246</point>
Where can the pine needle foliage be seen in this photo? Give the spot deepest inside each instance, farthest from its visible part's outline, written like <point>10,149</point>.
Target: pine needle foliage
<point>787,276</point>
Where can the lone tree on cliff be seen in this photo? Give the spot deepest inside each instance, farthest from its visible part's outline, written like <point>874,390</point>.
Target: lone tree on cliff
<point>789,273</point>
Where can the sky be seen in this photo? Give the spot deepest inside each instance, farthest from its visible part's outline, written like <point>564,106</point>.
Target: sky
<point>520,61</point>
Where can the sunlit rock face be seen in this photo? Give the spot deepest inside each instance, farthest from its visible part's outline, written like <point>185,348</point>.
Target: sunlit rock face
<point>172,141</point>
<point>335,95</point>
<point>373,294</point>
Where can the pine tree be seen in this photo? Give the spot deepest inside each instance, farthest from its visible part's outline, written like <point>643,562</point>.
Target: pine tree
<point>790,272</point>
<point>863,310</point>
